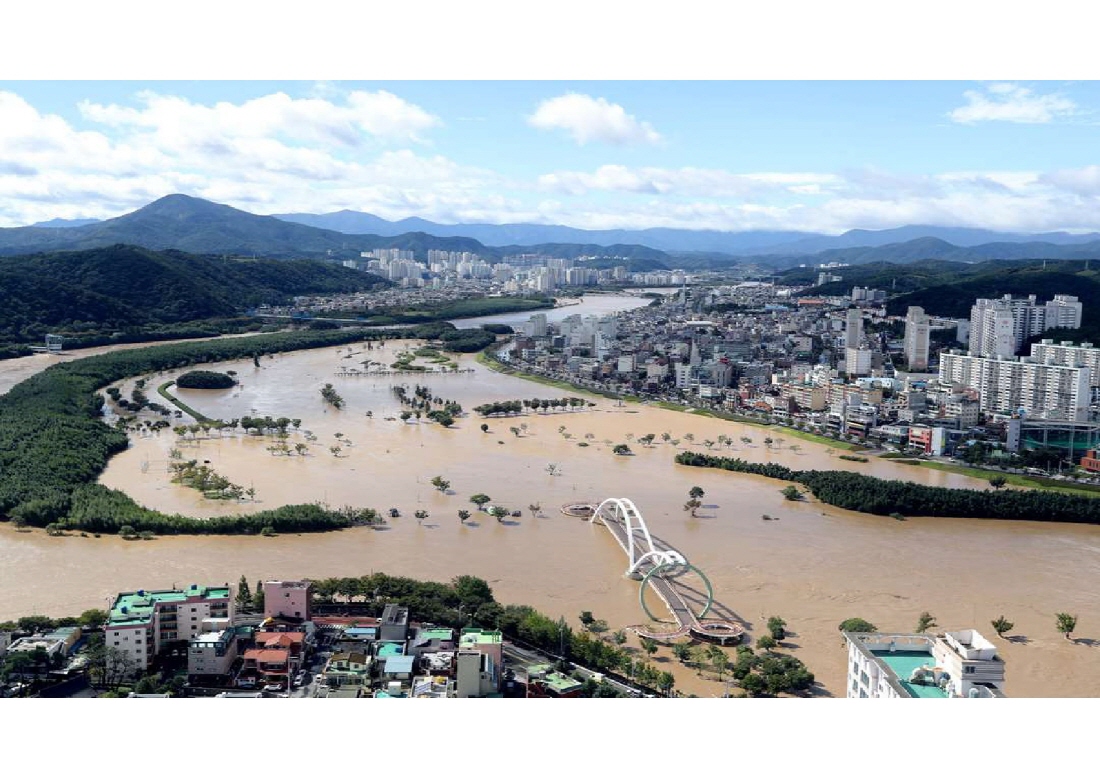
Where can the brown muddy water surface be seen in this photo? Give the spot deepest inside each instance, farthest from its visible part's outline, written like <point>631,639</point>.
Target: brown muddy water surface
<point>814,566</point>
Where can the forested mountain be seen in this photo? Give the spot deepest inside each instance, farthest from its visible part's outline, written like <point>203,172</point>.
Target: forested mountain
<point>121,287</point>
<point>955,298</point>
<point>949,289</point>
<point>195,225</point>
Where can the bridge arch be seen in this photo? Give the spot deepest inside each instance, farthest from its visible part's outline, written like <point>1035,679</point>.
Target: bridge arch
<point>639,545</point>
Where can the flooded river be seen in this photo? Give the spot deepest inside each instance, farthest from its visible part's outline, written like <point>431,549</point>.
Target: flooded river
<point>815,566</point>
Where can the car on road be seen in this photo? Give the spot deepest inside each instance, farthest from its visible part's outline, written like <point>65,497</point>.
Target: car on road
<point>301,678</point>
<point>273,687</point>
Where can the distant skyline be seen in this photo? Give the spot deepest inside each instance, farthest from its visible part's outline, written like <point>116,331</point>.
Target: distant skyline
<point>737,155</point>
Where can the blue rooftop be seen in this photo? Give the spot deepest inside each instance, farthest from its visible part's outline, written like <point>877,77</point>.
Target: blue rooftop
<point>399,665</point>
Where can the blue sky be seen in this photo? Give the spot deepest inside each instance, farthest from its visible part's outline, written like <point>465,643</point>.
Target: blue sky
<point>735,155</point>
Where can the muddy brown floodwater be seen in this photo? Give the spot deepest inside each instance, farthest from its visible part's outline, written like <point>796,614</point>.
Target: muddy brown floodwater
<point>815,566</point>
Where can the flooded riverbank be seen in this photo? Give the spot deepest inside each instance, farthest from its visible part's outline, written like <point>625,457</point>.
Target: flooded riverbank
<point>814,566</point>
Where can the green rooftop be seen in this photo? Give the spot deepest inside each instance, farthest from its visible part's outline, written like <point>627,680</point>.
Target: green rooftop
<point>388,649</point>
<point>479,637</point>
<point>443,635</point>
<point>138,606</point>
<point>559,682</point>
<point>902,663</point>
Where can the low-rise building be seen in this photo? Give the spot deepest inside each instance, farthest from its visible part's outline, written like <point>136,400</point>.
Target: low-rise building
<point>287,598</point>
<point>212,653</point>
<point>398,669</point>
<point>350,668</point>
<point>271,665</point>
<point>544,682</point>
<point>52,644</point>
<point>394,626</point>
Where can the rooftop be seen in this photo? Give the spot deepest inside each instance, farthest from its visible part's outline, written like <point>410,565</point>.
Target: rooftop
<point>902,663</point>
<point>387,649</point>
<point>210,638</point>
<point>480,637</point>
<point>427,635</point>
<point>270,656</point>
<point>556,681</point>
<point>273,639</point>
<point>399,664</point>
<point>138,606</point>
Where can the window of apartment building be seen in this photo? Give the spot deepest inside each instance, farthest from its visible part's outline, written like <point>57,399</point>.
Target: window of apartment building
<point>969,669</point>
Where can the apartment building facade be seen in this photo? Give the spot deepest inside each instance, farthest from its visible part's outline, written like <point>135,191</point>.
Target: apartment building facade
<point>1041,391</point>
<point>917,328</point>
<point>998,327</point>
<point>142,622</point>
<point>1067,354</point>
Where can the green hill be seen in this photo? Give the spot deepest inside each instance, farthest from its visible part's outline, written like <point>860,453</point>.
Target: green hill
<point>125,288</point>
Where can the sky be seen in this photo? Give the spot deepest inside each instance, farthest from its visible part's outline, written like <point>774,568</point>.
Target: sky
<point>822,156</point>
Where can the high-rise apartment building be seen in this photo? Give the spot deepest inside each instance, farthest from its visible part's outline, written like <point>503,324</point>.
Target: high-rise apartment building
<point>1041,391</point>
<point>853,329</point>
<point>999,327</point>
<point>1069,355</point>
<point>916,339</point>
<point>857,361</point>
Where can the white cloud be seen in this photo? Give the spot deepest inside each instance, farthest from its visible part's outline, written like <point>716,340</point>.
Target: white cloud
<point>277,154</point>
<point>592,119</point>
<point>694,181</point>
<point>1011,102</point>
<point>1084,181</point>
<point>182,123</point>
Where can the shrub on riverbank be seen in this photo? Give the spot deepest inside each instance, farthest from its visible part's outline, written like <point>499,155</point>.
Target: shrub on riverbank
<point>867,494</point>
<point>205,379</point>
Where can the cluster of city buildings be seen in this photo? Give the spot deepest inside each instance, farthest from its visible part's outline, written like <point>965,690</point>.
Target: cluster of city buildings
<point>840,365</point>
<point>379,657</point>
<point>522,273</point>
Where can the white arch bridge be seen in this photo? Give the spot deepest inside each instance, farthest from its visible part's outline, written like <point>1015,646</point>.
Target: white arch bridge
<point>659,566</point>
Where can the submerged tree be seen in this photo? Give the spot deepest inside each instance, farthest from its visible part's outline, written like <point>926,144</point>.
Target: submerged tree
<point>1002,625</point>
<point>1066,623</point>
<point>925,622</point>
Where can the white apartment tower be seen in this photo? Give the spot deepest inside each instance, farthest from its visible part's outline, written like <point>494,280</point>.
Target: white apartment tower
<point>857,361</point>
<point>1067,354</point>
<point>853,329</point>
<point>998,327</point>
<point>1042,391</point>
<point>916,339</point>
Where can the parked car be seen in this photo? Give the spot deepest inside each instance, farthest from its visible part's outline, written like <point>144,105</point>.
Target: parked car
<point>300,679</point>
<point>273,687</point>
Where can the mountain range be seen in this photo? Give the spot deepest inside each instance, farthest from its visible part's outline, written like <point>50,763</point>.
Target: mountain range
<point>748,243</point>
<point>198,226</point>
